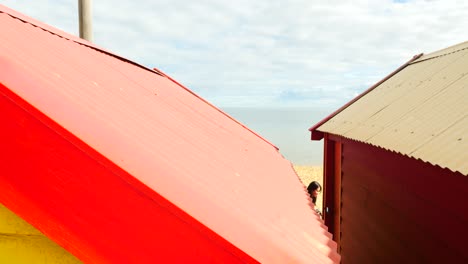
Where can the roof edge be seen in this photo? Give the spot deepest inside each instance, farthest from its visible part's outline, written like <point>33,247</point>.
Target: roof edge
<point>68,36</point>
<point>213,106</point>
<point>407,155</point>
<point>318,135</point>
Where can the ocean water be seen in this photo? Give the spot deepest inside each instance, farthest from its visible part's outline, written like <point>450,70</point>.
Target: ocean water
<point>287,129</point>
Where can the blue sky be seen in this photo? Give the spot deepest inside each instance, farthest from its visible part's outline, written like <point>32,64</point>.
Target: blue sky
<point>266,53</point>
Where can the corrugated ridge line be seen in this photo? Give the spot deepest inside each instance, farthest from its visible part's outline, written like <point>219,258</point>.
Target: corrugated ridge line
<point>395,151</point>
<point>443,52</point>
<point>83,42</point>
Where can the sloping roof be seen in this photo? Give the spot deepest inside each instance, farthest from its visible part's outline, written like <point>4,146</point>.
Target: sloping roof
<point>151,153</point>
<point>421,110</point>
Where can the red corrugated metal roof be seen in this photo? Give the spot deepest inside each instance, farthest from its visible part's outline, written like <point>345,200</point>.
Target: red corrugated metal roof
<point>176,144</point>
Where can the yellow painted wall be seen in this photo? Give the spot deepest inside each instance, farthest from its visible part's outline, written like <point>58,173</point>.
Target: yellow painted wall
<point>21,243</point>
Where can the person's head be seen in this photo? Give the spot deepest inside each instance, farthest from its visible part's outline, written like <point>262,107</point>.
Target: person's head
<point>313,189</point>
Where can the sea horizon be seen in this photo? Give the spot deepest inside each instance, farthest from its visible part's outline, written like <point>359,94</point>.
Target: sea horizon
<point>287,128</point>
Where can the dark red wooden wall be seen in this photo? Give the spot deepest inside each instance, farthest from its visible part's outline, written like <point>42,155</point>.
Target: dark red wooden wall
<point>396,209</point>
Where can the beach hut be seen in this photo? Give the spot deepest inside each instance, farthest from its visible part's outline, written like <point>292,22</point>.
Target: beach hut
<point>118,163</point>
<point>396,165</point>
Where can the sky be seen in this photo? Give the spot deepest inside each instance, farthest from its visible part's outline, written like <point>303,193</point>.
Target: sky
<point>266,53</point>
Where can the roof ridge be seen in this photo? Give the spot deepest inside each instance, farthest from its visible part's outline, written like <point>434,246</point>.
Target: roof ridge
<point>78,41</point>
<point>443,52</point>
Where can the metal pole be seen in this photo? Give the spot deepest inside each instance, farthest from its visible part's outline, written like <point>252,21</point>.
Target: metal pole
<point>85,16</point>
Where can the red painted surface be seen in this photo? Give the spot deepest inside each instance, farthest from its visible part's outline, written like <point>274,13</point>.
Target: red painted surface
<point>400,209</point>
<point>82,200</point>
<point>119,164</point>
<point>337,192</point>
<point>329,184</point>
<point>332,186</point>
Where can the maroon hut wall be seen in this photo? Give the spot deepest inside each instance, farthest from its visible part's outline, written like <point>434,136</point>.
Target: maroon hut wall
<point>395,209</point>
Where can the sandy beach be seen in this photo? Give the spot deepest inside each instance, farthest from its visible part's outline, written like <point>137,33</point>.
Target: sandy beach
<point>308,174</point>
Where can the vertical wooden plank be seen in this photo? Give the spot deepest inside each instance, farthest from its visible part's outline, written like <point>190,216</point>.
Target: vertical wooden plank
<point>337,193</point>
<point>328,183</point>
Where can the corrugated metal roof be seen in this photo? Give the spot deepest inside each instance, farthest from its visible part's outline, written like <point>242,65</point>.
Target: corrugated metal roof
<point>175,143</point>
<point>421,111</point>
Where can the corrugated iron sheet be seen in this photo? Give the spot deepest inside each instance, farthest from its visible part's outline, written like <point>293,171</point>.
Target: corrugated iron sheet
<point>175,143</point>
<point>421,111</point>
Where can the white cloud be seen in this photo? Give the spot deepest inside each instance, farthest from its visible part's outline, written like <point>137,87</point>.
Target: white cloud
<point>271,53</point>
